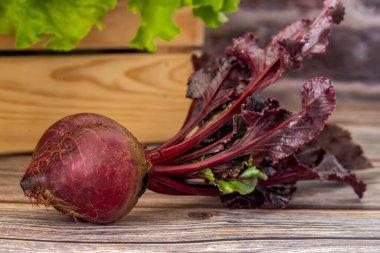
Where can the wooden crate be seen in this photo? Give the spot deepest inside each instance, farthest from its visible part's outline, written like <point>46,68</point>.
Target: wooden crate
<point>144,92</point>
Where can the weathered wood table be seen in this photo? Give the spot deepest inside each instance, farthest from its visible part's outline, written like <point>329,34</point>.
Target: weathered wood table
<point>323,217</point>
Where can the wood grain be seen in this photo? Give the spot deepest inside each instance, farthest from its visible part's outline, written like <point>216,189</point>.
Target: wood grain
<point>121,26</point>
<point>192,224</point>
<point>144,92</point>
<point>162,224</point>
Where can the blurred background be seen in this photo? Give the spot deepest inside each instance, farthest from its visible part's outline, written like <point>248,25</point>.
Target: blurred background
<point>354,50</point>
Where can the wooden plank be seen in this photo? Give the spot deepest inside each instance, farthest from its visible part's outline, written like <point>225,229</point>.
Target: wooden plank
<point>265,245</point>
<point>368,137</point>
<point>144,92</point>
<point>163,224</point>
<point>36,91</point>
<point>121,26</point>
<point>180,224</point>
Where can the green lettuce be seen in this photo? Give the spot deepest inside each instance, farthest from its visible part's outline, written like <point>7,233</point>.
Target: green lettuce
<point>64,23</point>
<point>156,21</point>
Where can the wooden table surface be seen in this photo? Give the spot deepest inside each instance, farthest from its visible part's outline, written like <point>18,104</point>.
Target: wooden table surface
<point>322,217</point>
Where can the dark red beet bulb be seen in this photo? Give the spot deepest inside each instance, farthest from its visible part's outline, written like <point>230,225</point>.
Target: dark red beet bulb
<point>89,167</point>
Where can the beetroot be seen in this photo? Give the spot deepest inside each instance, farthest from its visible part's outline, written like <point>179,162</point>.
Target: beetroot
<point>88,166</point>
<point>234,143</point>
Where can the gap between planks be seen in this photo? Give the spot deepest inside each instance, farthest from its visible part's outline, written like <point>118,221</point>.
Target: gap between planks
<point>203,241</point>
<point>249,245</point>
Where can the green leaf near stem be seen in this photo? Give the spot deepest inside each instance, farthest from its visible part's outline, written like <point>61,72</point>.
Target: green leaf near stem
<point>252,171</point>
<point>243,187</point>
<point>244,184</point>
<point>207,174</point>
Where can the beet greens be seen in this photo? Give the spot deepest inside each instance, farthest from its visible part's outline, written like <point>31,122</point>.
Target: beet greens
<point>230,130</point>
<point>233,144</point>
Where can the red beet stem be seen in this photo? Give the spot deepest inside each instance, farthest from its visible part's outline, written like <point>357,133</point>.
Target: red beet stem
<point>166,185</point>
<point>165,154</point>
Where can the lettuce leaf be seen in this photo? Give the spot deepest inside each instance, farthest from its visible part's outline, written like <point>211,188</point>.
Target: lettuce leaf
<point>65,22</point>
<point>156,21</point>
<point>212,11</point>
<point>157,18</point>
